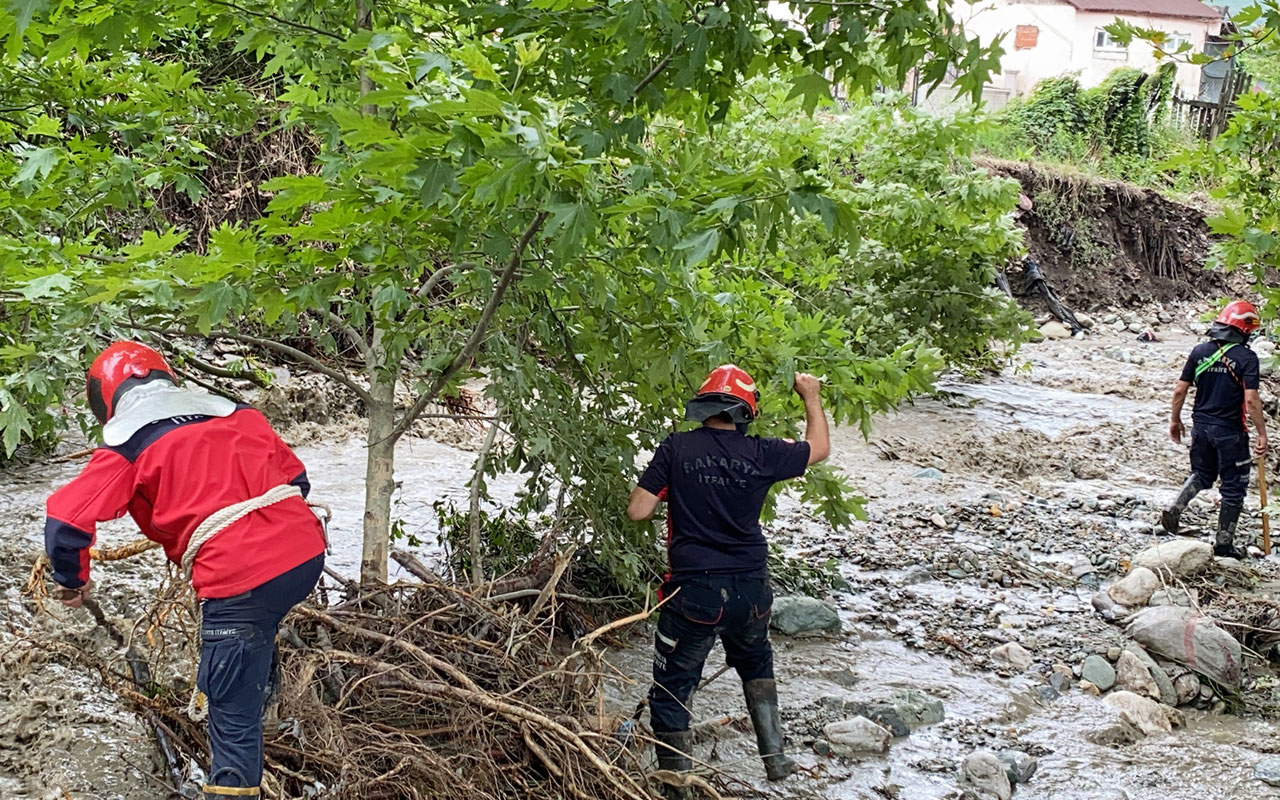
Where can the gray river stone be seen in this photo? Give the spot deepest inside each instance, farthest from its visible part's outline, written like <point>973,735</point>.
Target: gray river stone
<point>1097,671</point>
<point>793,615</point>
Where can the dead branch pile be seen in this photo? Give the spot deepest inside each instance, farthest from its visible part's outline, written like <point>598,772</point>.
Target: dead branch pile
<point>422,690</point>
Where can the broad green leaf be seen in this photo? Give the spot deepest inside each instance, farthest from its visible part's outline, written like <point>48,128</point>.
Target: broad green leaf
<point>39,161</point>
<point>474,60</point>
<point>50,285</point>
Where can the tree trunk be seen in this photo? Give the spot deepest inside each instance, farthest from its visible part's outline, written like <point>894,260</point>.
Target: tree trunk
<point>477,548</point>
<point>379,467</point>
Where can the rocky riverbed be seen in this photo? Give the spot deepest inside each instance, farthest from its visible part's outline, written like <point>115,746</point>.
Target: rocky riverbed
<point>971,657</point>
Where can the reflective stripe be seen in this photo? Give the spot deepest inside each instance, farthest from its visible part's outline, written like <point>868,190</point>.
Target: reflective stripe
<point>1213,359</point>
<point>667,640</point>
<point>233,791</point>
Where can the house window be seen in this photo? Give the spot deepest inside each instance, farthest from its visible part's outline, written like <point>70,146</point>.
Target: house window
<point>1103,41</point>
<point>1176,41</point>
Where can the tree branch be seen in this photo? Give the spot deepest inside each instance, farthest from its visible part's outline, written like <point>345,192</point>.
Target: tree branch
<point>438,276</point>
<point>221,372</point>
<point>311,361</point>
<point>357,341</point>
<point>482,326</point>
<point>302,26</point>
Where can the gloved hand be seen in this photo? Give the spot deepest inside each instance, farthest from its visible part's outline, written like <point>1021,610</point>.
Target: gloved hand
<point>73,598</point>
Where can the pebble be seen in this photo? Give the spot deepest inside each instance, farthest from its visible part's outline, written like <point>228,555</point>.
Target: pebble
<point>1113,653</point>
<point>929,474</point>
<point>796,614</point>
<point>987,773</point>
<point>1055,330</point>
<point>1012,655</point>
<point>1019,765</point>
<point>938,520</point>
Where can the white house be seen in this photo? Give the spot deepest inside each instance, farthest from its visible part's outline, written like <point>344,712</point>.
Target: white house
<point>1047,38</point>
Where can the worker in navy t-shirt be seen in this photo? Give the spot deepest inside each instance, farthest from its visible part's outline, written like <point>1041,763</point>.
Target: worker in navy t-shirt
<point>1225,373</point>
<point>715,480</point>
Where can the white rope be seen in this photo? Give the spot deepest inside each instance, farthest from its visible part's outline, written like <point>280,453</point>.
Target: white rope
<point>224,518</point>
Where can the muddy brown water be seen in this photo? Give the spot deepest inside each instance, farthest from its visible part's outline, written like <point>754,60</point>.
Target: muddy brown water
<point>1070,404</point>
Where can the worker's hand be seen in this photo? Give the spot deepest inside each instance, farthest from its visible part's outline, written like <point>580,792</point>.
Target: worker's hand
<point>1260,445</point>
<point>73,598</point>
<point>807,386</point>
<point>1177,431</point>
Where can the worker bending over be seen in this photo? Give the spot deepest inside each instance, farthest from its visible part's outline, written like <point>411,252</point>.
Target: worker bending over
<point>211,482</point>
<point>715,479</point>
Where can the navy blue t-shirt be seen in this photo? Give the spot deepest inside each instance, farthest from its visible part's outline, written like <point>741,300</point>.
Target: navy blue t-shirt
<point>1220,387</point>
<point>716,482</point>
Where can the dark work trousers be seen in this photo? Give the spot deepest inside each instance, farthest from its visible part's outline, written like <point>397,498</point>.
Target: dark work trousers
<point>732,607</point>
<point>238,637</point>
<point>1221,451</point>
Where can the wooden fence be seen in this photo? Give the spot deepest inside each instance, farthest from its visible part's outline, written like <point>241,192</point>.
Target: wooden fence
<point>1208,118</point>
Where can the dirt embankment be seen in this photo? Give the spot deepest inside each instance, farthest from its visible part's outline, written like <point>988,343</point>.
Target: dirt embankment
<point>1105,243</point>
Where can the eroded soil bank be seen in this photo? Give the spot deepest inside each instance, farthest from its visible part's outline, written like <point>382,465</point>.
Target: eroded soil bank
<point>997,509</point>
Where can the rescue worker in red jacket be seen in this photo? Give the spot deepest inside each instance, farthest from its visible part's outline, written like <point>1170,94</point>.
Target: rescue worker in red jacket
<point>715,479</point>
<point>211,482</point>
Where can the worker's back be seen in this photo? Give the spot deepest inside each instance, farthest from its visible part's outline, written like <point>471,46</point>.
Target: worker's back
<point>173,473</point>
<point>717,480</point>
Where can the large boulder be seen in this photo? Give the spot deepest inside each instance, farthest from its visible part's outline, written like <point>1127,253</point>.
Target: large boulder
<point>1135,589</point>
<point>1168,694</point>
<point>986,774</point>
<point>1133,676</point>
<point>1146,714</point>
<point>1179,557</point>
<point>1186,637</point>
<point>795,614</point>
<point>851,737</point>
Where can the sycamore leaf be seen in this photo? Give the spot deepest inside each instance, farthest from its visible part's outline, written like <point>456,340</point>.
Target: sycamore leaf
<point>14,422</point>
<point>436,175</point>
<point>294,192</point>
<point>700,246</point>
<point>216,299</point>
<point>477,64</point>
<point>812,87</point>
<point>45,125</point>
<point>41,160</point>
<point>46,286</point>
<point>24,10</point>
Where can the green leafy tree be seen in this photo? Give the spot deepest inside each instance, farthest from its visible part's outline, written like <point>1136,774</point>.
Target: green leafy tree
<point>533,189</point>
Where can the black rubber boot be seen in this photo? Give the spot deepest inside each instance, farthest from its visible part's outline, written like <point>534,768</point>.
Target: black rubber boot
<point>1172,516</point>
<point>762,703</point>
<point>1225,545</point>
<point>673,754</point>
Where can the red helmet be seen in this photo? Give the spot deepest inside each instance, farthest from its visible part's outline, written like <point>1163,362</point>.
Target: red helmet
<point>1241,315</point>
<point>730,385</point>
<point>119,363</point>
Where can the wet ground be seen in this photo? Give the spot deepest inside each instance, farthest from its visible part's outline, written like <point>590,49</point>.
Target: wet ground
<point>1042,481</point>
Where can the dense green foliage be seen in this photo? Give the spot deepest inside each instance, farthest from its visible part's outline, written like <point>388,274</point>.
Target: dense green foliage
<point>1120,126</point>
<point>569,197</point>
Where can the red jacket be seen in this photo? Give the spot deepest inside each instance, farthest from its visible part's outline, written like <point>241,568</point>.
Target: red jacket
<point>169,477</point>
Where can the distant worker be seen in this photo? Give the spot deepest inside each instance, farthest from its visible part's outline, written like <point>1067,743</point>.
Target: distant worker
<point>1225,373</point>
<point>213,484</point>
<point>715,479</point>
